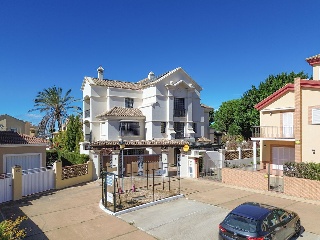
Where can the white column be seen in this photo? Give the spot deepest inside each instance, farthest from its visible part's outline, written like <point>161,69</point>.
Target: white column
<point>254,155</point>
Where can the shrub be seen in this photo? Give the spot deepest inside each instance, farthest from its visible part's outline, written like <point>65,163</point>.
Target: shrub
<point>10,229</point>
<point>302,170</point>
<point>67,158</point>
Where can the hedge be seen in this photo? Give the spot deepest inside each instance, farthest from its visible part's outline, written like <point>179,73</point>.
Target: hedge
<point>302,170</point>
<point>67,158</point>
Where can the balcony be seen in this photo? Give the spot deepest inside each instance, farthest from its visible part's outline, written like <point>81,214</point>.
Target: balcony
<point>272,132</point>
<point>179,112</point>
<point>179,135</point>
<point>87,113</point>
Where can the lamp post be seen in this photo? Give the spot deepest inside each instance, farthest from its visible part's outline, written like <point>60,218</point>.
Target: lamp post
<point>122,146</point>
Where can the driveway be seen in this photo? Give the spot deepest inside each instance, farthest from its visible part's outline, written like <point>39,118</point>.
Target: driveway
<point>74,213</point>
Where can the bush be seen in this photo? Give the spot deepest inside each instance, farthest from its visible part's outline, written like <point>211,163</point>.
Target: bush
<point>9,229</point>
<point>302,170</point>
<point>67,158</point>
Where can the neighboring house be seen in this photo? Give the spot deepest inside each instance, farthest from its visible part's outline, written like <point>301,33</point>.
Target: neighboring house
<point>164,107</point>
<point>20,149</point>
<point>8,123</point>
<point>290,122</point>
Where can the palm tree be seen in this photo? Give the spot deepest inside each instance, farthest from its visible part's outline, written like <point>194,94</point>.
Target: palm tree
<point>55,106</point>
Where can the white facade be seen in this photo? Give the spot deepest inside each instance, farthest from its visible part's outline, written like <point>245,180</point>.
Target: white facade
<point>165,107</point>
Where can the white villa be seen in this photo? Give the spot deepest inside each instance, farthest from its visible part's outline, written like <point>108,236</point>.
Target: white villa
<point>159,108</point>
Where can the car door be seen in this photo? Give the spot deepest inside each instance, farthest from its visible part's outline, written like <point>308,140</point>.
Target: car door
<point>276,231</point>
<point>284,219</point>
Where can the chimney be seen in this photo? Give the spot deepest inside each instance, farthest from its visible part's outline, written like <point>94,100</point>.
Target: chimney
<point>314,61</point>
<point>100,73</point>
<point>151,76</point>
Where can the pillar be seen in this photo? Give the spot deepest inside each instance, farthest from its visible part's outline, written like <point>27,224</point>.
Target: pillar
<point>16,182</point>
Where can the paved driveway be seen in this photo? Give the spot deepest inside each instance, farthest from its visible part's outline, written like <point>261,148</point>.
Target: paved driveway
<point>74,213</point>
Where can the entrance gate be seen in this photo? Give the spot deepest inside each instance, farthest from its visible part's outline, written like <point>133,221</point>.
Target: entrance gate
<point>5,187</point>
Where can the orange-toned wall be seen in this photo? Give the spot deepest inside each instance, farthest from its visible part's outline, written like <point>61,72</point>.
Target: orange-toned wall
<point>310,133</point>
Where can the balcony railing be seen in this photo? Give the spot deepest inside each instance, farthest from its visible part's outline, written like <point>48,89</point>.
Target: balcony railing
<point>179,112</point>
<point>179,135</point>
<point>272,132</point>
<point>87,113</point>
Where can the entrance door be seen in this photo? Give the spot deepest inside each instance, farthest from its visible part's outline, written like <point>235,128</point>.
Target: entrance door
<point>287,125</point>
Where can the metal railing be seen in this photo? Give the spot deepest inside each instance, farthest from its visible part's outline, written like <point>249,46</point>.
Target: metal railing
<point>179,112</point>
<point>272,132</point>
<point>87,137</point>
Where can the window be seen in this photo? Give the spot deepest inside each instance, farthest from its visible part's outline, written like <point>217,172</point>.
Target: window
<point>163,127</point>
<point>179,109</point>
<point>129,102</point>
<point>103,129</point>
<point>194,127</point>
<point>315,116</point>
<point>179,129</point>
<point>129,129</point>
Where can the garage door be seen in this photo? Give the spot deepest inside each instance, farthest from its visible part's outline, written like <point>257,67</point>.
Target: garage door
<point>26,161</point>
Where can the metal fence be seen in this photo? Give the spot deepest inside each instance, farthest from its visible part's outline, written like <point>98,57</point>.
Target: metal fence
<point>132,190</point>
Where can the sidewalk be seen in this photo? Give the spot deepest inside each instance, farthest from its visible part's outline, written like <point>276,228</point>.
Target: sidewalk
<point>74,213</point>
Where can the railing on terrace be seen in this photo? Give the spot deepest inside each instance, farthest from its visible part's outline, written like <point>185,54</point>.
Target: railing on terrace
<point>87,113</point>
<point>179,112</point>
<point>272,132</point>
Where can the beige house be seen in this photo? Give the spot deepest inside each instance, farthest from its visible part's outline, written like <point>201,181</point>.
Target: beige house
<point>8,123</point>
<point>20,149</point>
<point>290,122</point>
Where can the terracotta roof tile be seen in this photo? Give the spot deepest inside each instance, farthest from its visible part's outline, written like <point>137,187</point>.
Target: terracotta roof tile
<point>122,112</point>
<point>116,84</point>
<point>9,137</point>
<point>313,60</point>
<point>156,142</point>
<point>203,139</point>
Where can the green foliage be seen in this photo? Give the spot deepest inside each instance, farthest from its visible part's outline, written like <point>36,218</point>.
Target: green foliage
<point>239,116</point>
<point>67,158</point>
<point>73,134</point>
<point>302,170</point>
<point>55,105</point>
<point>10,229</point>
<point>225,117</point>
<point>72,158</point>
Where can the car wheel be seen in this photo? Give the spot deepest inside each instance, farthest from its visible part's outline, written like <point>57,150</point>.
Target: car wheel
<point>297,228</point>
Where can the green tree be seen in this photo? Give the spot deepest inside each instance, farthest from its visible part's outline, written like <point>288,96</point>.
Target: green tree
<point>224,117</point>
<point>247,116</point>
<point>55,105</point>
<point>73,134</point>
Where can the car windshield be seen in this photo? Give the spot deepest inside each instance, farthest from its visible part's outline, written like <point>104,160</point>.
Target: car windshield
<point>241,223</point>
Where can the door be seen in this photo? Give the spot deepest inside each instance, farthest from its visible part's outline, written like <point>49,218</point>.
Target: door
<point>281,155</point>
<point>287,125</point>
<point>26,161</point>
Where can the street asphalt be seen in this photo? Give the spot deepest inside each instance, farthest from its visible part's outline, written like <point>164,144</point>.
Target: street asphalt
<point>74,213</point>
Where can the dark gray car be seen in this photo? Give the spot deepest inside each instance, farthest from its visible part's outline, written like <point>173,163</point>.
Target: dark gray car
<point>256,221</point>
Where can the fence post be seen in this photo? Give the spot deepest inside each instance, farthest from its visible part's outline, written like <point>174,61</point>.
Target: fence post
<point>239,151</point>
<point>16,182</point>
<point>57,166</point>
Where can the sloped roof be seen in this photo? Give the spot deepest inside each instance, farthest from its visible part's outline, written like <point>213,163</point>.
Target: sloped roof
<point>141,143</point>
<point>122,112</point>
<point>9,137</point>
<point>205,106</point>
<point>313,60</point>
<point>315,84</point>
<point>203,139</point>
<point>144,83</point>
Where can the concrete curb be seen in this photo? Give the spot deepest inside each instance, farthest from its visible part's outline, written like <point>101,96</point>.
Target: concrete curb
<point>140,206</point>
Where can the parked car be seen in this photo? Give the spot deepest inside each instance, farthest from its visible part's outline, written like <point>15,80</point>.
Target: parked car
<point>256,221</point>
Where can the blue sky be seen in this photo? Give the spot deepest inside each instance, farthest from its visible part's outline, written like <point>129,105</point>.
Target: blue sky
<point>226,46</point>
